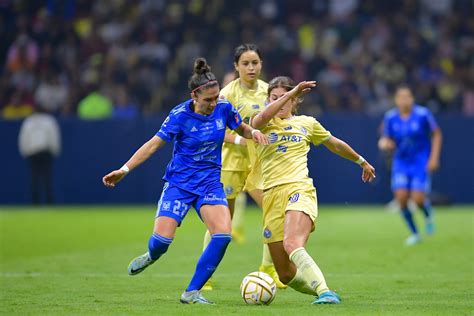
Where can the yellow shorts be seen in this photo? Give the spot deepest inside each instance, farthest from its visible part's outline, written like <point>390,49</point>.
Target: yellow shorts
<point>254,179</point>
<point>234,182</point>
<point>297,196</point>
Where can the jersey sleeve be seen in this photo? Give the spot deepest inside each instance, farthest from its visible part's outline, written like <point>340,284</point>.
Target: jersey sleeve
<point>232,117</point>
<point>169,129</point>
<point>319,134</point>
<point>432,124</point>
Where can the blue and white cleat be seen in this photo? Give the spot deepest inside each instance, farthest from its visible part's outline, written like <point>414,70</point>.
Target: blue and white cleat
<point>194,297</point>
<point>430,226</point>
<point>413,240</point>
<point>329,297</point>
<point>139,264</point>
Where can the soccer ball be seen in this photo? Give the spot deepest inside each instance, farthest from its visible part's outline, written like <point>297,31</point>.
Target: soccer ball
<point>258,288</point>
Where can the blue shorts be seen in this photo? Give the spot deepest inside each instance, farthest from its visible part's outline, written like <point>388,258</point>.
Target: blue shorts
<point>411,177</point>
<point>175,202</point>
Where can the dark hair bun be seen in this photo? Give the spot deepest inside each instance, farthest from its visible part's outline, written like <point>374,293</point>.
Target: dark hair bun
<point>201,66</point>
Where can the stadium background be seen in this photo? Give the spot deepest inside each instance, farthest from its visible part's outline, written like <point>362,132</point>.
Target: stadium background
<point>138,55</point>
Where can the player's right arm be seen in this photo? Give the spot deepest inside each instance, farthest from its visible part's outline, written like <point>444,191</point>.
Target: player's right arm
<point>139,157</point>
<point>385,142</point>
<point>261,120</point>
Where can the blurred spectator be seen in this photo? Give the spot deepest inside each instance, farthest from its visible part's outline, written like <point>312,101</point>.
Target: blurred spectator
<point>51,94</point>
<point>123,107</point>
<point>95,106</point>
<point>39,142</point>
<point>19,106</point>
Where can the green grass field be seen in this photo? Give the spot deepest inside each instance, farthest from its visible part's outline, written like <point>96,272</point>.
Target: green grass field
<point>73,260</point>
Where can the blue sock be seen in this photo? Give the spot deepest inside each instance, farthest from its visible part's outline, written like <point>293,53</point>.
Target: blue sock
<point>158,245</point>
<point>409,220</point>
<point>210,259</point>
<point>426,209</point>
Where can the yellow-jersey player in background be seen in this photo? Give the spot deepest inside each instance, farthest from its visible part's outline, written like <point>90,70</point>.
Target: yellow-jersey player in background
<point>240,168</point>
<point>289,201</point>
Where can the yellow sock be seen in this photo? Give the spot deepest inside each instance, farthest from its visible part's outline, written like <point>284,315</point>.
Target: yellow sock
<point>309,270</point>
<point>238,217</point>
<point>207,240</point>
<point>300,284</point>
<point>266,256</point>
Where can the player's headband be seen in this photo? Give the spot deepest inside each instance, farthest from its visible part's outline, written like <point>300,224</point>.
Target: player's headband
<point>202,86</point>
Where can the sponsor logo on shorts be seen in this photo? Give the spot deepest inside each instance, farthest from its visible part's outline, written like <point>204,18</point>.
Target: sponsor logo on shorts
<point>213,197</point>
<point>166,206</point>
<point>267,233</point>
<point>294,198</point>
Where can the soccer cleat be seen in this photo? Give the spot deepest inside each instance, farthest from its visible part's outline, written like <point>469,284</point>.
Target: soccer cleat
<point>329,297</point>
<point>194,297</point>
<point>139,264</point>
<point>208,285</point>
<point>270,270</point>
<point>430,226</point>
<point>413,240</point>
<point>238,235</point>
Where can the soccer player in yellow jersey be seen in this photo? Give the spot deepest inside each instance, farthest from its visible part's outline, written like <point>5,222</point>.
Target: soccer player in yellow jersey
<point>240,168</point>
<point>289,200</point>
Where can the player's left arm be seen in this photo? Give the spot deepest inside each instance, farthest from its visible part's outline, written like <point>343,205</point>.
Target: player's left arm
<point>436,142</point>
<point>248,132</point>
<point>342,149</point>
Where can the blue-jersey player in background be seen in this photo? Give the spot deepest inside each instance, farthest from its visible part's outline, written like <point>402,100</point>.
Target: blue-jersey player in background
<point>197,127</point>
<point>412,133</point>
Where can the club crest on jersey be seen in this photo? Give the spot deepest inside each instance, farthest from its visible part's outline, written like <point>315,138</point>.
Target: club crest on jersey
<point>219,124</point>
<point>267,233</point>
<point>229,190</point>
<point>272,138</point>
<point>294,198</point>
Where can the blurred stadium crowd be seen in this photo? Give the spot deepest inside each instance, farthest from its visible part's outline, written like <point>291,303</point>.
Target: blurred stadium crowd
<point>117,58</point>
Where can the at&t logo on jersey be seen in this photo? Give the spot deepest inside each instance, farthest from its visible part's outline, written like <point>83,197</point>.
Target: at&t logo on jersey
<point>272,138</point>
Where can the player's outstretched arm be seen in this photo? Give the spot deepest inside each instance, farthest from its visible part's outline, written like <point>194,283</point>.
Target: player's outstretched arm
<point>140,156</point>
<point>248,132</point>
<point>235,139</point>
<point>342,149</point>
<point>261,119</point>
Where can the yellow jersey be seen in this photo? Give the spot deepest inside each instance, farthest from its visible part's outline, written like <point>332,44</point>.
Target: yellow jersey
<point>285,159</point>
<point>247,102</point>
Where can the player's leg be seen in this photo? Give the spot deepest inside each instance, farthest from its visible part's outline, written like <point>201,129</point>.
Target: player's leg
<point>420,189</point>
<point>172,207</point>
<point>402,196</point>
<point>238,235</point>
<point>218,222</point>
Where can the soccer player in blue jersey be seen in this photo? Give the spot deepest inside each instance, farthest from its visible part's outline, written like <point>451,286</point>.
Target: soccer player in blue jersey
<point>197,127</point>
<point>412,133</point>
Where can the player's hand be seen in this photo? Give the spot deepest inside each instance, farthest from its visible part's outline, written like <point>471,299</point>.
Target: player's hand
<point>243,142</point>
<point>302,88</point>
<point>386,144</point>
<point>368,172</point>
<point>433,165</point>
<point>260,138</point>
<point>113,178</point>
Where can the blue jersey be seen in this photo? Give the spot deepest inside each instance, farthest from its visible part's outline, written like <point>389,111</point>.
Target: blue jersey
<point>412,135</point>
<point>196,162</point>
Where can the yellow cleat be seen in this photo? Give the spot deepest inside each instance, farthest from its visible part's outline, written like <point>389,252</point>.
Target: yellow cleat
<point>208,285</point>
<point>238,235</point>
<point>270,270</point>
